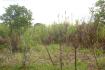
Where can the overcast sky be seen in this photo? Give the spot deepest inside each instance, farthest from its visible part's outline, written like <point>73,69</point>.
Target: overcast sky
<point>47,11</point>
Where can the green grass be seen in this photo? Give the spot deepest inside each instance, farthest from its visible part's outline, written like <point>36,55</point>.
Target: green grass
<point>80,66</point>
<point>101,63</point>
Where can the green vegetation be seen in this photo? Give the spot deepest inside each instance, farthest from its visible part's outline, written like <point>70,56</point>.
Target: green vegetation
<point>62,46</point>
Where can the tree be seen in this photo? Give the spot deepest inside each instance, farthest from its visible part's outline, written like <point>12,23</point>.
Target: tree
<point>39,32</point>
<point>17,18</point>
<point>99,12</point>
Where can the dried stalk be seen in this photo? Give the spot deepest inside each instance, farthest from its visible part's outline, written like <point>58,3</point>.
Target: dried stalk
<point>24,53</point>
<point>61,62</point>
<point>49,55</point>
<point>75,58</point>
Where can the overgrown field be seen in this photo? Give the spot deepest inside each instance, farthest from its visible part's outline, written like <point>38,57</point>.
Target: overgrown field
<point>65,45</point>
<point>38,59</point>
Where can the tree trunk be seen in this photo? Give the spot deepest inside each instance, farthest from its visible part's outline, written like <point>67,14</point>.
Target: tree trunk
<point>15,42</point>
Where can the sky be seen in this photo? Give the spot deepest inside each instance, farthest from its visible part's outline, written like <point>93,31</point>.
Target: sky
<point>49,11</point>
